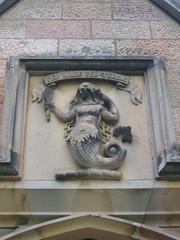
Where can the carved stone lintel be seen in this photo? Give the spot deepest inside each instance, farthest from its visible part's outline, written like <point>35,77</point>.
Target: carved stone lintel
<point>88,174</point>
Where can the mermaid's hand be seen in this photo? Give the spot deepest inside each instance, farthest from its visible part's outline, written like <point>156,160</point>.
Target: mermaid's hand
<point>49,105</point>
<point>48,102</point>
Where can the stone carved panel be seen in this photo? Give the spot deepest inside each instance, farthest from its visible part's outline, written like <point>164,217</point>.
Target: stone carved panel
<point>51,134</point>
<point>23,153</point>
<point>89,119</point>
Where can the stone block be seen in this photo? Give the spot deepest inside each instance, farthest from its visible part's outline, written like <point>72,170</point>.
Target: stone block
<point>121,29</point>
<point>137,10</point>
<point>58,29</point>
<point>28,47</point>
<point>165,29</point>
<point>87,11</point>
<point>33,9</point>
<point>164,48</point>
<point>12,29</point>
<point>86,48</point>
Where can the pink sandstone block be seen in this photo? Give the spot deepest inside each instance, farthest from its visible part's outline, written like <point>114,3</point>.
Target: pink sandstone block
<point>58,29</point>
<point>87,10</point>
<point>121,29</point>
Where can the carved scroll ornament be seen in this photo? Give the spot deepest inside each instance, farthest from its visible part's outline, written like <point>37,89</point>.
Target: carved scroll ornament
<point>88,121</point>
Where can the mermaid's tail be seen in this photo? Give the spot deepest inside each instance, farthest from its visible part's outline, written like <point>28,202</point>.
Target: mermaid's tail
<point>86,153</point>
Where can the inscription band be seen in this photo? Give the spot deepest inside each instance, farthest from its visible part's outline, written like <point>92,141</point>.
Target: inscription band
<point>65,75</point>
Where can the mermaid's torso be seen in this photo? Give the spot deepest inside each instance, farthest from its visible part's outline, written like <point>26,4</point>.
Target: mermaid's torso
<point>86,124</point>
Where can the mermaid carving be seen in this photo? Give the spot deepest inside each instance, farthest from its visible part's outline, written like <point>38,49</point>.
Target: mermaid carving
<point>88,109</point>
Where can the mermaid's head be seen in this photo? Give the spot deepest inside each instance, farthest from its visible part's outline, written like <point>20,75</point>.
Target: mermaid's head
<point>86,91</point>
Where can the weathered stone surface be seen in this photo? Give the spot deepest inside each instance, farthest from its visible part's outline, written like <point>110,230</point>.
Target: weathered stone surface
<point>86,11</point>
<point>1,117</point>
<point>12,29</point>
<point>86,48</point>
<point>29,9</point>
<point>137,10</point>
<point>2,77</point>
<point>165,29</point>
<point>163,48</point>
<point>173,73</point>
<point>174,91</point>
<point>1,92</point>
<point>28,47</point>
<point>2,69</point>
<point>176,114</point>
<point>121,29</point>
<point>176,118</point>
<point>173,70</point>
<point>1,103</point>
<point>173,230</point>
<point>58,29</point>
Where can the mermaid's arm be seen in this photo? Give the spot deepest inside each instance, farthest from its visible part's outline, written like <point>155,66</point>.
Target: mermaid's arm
<point>110,113</point>
<point>64,117</point>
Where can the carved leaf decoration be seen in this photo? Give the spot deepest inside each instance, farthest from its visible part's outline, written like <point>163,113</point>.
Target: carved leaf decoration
<point>105,130</point>
<point>136,95</point>
<point>37,93</point>
<point>124,133</point>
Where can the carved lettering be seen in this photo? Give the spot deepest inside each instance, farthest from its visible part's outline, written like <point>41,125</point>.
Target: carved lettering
<point>113,77</point>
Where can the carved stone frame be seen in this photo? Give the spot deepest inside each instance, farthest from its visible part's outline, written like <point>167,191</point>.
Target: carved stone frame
<point>161,131</point>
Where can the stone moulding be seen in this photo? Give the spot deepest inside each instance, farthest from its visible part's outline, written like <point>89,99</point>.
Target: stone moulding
<point>172,7</point>
<point>161,132</point>
<point>6,4</point>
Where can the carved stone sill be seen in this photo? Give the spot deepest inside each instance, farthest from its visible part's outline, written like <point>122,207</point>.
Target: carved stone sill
<point>88,174</point>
